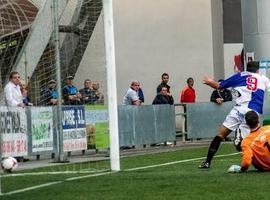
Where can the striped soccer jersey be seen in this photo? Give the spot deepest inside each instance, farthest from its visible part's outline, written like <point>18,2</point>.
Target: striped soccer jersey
<point>251,88</point>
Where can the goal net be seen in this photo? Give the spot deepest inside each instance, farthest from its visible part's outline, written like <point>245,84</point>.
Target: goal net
<point>28,44</point>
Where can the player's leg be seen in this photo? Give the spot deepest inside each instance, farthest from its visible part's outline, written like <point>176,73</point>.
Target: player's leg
<point>214,146</point>
<point>230,124</point>
<point>240,134</point>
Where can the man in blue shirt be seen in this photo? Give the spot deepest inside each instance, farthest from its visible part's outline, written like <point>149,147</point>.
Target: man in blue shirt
<point>71,94</point>
<point>52,94</point>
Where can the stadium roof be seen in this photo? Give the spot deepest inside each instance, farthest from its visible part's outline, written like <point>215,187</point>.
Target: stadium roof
<point>16,16</point>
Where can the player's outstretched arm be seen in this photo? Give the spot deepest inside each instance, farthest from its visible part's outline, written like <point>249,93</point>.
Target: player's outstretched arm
<point>211,82</point>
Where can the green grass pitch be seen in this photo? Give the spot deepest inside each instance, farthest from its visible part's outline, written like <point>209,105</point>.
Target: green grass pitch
<point>181,180</point>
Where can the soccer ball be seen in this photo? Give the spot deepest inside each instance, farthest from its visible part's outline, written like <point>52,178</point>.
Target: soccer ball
<point>8,164</point>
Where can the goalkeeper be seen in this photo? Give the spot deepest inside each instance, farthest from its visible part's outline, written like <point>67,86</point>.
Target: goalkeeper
<point>256,146</point>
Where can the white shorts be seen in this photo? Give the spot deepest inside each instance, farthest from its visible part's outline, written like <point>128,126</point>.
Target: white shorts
<point>236,120</point>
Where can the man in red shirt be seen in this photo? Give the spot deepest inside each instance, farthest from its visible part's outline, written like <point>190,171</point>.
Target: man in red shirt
<point>188,94</point>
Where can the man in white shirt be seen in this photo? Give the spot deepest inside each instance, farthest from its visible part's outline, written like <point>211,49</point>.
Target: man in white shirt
<point>131,97</point>
<point>12,90</point>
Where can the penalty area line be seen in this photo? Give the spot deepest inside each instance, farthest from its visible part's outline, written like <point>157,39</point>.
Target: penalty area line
<point>110,172</point>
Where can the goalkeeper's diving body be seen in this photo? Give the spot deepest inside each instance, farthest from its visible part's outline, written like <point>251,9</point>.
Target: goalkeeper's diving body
<point>256,146</point>
<point>250,87</point>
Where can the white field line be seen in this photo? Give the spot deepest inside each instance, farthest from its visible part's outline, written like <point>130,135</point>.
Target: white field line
<point>176,162</point>
<point>110,172</point>
<point>53,173</point>
<point>54,183</point>
<point>31,188</point>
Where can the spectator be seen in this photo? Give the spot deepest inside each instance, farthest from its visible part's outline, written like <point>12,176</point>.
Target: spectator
<point>188,94</point>
<point>14,97</point>
<point>221,95</point>
<point>12,91</point>
<point>51,93</point>
<point>24,91</point>
<point>88,94</point>
<point>98,96</point>
<point>141,95</point>
<point>164,83</point>
<point>163,97</point>
<point>131,97</point>
<point>70,93</point>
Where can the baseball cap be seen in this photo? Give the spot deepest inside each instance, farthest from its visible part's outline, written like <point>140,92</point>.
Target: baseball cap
<point>52,81</point>
<point>69,77</point>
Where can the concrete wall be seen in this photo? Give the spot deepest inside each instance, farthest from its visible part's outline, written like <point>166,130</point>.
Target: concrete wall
<point>230,50</point>
<point>155,36</point>
<point>217,32</point>
<point>256,27</point>
<point>232,21</point>
<point>93,64</point>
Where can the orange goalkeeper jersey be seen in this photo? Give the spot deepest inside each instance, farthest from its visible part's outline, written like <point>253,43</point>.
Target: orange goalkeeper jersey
<point>256,149</point>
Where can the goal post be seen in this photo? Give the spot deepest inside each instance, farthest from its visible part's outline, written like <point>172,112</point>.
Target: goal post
<point>111,84</point>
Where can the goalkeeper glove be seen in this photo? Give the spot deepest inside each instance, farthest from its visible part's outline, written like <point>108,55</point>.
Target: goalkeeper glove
<point>234,169</point>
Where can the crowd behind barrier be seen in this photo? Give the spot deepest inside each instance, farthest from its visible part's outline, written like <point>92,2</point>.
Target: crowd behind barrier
<point>32,130</point>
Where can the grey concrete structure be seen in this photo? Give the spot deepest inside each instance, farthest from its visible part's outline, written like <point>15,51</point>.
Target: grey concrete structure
<point>177,37</point>
<point>232,21</point>
<point>38,39</point>
<point>217,32</point>
<point>256,27</point>
<point>182,38</point>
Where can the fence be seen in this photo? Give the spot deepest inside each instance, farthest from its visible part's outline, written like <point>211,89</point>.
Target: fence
<point>204,118</point>
<point>147,124</point>
<point>33,130</point>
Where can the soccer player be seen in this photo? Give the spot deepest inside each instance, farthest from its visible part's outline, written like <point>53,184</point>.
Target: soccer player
<point>256,146</point>
<point>251,87</point>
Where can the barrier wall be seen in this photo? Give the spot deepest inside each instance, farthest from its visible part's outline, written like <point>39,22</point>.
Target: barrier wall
<point>205,118</point>
<point>146,124</point>
<point>32,131</point>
